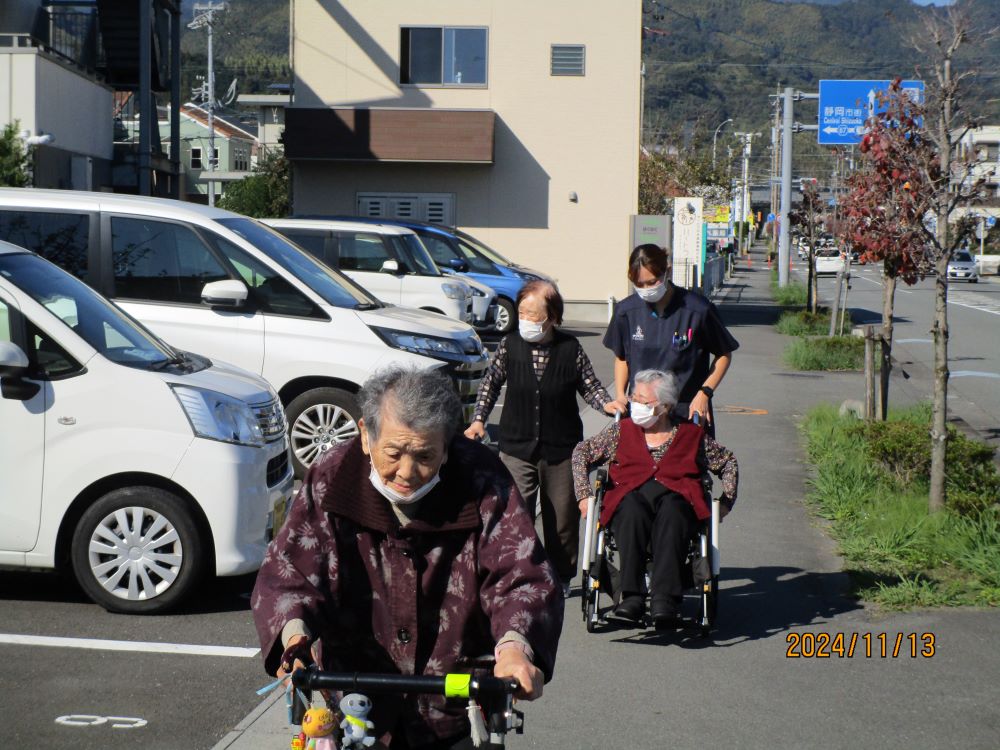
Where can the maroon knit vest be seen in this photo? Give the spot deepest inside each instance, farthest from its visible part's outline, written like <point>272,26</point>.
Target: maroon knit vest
<point>678,470</point>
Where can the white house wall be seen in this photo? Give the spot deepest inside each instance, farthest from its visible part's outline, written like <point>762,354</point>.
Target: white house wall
<point>555,135</point>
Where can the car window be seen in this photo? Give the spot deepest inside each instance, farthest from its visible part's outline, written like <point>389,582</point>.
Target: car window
<point>59,237</point>
<point>316,243</point>
<point>442,251</point>
<point>479,248</point>
<point>47,358</point>
<point>271,291</point>
<point>412,251</point>
<point>361,251</point>
<point>962,257</point>
<point>161,261</point>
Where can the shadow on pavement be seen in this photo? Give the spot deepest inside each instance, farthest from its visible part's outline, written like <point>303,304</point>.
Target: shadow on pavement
<point>748,314</point>
<point>766,602</point>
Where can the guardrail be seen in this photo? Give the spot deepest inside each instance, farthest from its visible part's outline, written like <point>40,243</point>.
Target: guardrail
<point>714,276</point>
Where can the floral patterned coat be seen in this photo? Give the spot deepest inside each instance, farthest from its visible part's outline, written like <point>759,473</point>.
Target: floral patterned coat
<point>413,599</point>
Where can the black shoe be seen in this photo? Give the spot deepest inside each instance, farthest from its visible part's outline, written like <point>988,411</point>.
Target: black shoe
<point>666,614</point>
<point>631,610</point>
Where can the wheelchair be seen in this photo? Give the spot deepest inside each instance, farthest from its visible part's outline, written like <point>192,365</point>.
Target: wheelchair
<point>599,577</point>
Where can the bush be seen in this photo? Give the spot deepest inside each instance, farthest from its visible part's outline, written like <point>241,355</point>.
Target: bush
<point>897,554</point>
<point>835,353</point>
<point>804,323</point>
<point>903,450</point>
<point>794,294</point>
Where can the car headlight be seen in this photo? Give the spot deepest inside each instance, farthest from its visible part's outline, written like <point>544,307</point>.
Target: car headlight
<point>454,291</point>
<point>528,276</point>
<point>216,416</point>
<point>476,292</point>
<point>431,346</point>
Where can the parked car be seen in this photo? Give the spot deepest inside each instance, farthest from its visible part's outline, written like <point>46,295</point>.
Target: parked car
<point>453,248</point>
<point>829,261</point>
<point>962,267</point>
<point>141,467</point>
<point>231,288</point>
<point>392,264</point>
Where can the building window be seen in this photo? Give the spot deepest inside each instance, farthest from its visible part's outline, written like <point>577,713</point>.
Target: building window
<point>443,55</point>
<point>569,59</point>
<point>196,158</point>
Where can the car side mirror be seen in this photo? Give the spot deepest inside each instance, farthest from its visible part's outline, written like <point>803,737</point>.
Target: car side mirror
<point>228,293</point>
<point>390,266</point>
<point>14,365</point>
<point>458,264</point>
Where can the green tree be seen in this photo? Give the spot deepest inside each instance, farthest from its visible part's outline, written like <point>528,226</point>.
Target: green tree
<point>264,194</point>
<point>15,159</point>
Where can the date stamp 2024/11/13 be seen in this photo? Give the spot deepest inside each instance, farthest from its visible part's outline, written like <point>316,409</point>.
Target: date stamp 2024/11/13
<point>868,645</point>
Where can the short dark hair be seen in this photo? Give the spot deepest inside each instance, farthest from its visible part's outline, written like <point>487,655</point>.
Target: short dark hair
<point>549,293</point>
<point>653,258</point>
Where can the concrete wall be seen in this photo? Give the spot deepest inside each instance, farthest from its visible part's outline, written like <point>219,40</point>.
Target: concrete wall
<point>47,97</point>
<point>555,135</point>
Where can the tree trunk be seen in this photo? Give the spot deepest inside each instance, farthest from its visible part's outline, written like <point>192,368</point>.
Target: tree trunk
<point>888,308</point>
<point>939,415</point>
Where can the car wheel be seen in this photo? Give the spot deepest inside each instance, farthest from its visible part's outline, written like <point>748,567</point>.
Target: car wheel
<point>137,550</point>
<point>506,316</point>
<point>318,420</point>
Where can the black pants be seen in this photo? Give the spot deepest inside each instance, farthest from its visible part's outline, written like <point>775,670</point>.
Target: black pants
<point>662,521</point>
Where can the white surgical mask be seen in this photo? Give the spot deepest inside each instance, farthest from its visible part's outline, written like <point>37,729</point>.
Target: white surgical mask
<point>652,294</point>
<point>531,332</point>
<point>394,497</point>
<point>644,415</point>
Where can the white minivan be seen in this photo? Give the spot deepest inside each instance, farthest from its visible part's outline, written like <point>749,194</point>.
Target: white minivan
<point>141,467</point>
<point>229,287</point>
<point>392,263</point>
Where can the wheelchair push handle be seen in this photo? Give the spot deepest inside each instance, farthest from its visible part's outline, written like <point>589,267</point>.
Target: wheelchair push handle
<point>449,685</point>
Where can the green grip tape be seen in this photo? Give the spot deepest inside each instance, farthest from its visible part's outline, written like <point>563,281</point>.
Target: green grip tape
<point>457,685</point>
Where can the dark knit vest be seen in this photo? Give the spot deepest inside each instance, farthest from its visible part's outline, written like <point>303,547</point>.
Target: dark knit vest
<point>678,470</point>
<point>540,418</point>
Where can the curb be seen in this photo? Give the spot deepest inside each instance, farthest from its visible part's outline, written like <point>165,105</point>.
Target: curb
<point>248,721</point>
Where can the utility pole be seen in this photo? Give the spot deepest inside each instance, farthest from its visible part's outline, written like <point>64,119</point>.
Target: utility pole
<point>775,161</point>
<point>745,187</point>
<point>205,18</point>
<point>788,126</point>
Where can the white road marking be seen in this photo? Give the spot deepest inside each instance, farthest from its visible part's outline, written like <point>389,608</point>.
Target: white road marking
<point>148,647</point>
<point>915,341</point>
<point>974,302</point>
<point>973,374</point>
<point>89,720</point>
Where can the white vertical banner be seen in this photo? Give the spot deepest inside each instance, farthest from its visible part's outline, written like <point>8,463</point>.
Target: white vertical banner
<point>688,231</point>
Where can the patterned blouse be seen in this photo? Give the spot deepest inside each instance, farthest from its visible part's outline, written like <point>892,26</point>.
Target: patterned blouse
<point>602,448</point>
<point>589,385</point>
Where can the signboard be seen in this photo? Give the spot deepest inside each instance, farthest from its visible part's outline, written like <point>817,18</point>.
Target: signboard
<point>844,106</point>
<point>650,230</point>
<point>991,221</point>
<point>717,214</point>
<point>688,236</point>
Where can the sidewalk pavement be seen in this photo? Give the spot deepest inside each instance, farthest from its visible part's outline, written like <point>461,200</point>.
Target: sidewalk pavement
<point>780,571</point>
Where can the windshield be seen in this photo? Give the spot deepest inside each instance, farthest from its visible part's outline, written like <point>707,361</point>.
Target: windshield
<point>414,253</point>
<point>963,257</point>
<point>479,247</point>
<point>333,287</point>
<point>109,330</point>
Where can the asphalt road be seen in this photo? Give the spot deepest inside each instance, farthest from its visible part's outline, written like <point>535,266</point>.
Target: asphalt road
<point>973,347</point>
<point>56,695</point>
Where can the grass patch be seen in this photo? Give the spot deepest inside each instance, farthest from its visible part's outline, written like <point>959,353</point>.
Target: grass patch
<point>898,555</point>
<point>794,294</point>
<point>825,353</point>
<point>804,323</point>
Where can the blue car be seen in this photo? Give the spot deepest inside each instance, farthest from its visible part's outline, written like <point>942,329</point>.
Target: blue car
<point>460,252</point>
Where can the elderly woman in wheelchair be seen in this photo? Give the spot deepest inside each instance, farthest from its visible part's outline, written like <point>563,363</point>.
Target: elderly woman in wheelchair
<point>656,499</point>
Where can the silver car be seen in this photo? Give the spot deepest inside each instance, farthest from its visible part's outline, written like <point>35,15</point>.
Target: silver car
<point>962,267</point>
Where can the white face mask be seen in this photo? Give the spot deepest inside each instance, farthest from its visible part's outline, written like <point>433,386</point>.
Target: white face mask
<point>531,332</point>
<point>394,497</point>
<point>652,294</point>
<point>644,415</point>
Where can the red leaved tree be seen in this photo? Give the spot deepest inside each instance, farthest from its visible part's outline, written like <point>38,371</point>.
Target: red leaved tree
<point>882,213</point>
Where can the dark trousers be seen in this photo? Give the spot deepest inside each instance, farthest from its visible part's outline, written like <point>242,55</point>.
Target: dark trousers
<point>665,523</point>
<point>553,482</point>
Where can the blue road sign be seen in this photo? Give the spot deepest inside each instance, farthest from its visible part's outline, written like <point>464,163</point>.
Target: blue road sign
<point>991,221</point>
<point>845,105</point>
<point>770,217</point>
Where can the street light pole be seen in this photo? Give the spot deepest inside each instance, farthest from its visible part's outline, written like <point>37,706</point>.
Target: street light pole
<point>206,19</point>
<point>721,124</point>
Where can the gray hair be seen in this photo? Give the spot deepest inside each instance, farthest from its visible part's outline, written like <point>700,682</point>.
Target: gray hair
<point>664,385</point>
<point>422,400</point>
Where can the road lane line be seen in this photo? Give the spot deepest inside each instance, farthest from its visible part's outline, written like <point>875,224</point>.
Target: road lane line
<point>148,647</point>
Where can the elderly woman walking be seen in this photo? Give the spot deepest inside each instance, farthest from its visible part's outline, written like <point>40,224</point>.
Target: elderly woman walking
<point>406,550</point>
<point>544,368</point>
<point>656,498</point>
